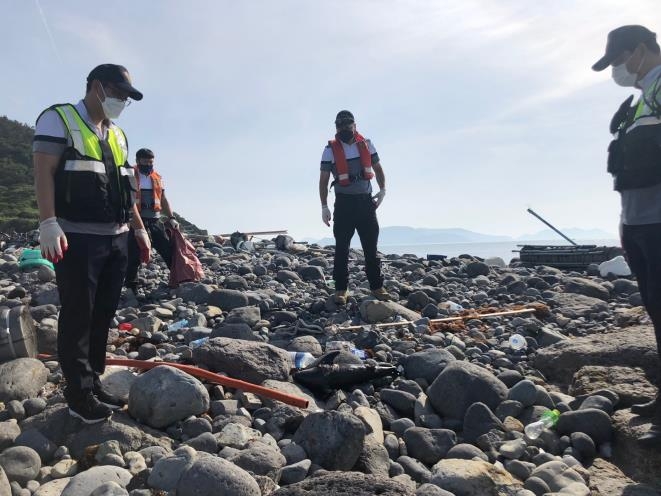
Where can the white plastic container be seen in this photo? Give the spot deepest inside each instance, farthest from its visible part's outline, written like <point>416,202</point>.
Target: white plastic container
<point>518,342</point>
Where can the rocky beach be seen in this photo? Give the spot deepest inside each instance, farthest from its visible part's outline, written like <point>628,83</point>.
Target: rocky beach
<point>425,408</point>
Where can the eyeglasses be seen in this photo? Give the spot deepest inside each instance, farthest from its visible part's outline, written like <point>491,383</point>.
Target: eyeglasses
<point>117,93</point>
<point>344,122</point>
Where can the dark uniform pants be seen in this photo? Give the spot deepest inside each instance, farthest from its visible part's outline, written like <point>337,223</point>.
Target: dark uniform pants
<point>642,245</point>
<point>355,213</point>
<point>89,281</point>
<point>160,242</point>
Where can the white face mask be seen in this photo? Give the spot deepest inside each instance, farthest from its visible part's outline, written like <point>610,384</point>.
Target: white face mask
<point>623,77</point>
<point>112,107</point>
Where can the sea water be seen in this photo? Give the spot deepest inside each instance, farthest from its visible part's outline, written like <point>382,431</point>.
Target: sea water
<point>506,250</point>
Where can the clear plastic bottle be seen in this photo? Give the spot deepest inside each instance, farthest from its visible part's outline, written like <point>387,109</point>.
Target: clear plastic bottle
<point>176,326</point>
<point>197,342</point>
<point>518,342</point>
<point>548,420</point>
<point>347,346</point>
<point>301,359</point>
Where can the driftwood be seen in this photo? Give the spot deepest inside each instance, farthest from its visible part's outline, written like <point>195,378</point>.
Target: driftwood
<point>468,316</point>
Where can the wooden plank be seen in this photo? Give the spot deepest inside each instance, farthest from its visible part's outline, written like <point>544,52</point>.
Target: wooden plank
<point>447,319</point>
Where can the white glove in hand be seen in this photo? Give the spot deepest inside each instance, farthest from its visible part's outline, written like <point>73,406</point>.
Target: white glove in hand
<point>144,243</point>
<point>52,239</point>
<point>173,223</point>
<point>378,198</point>
<point>325,214</point>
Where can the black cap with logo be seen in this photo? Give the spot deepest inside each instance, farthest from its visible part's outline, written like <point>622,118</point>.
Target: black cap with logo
<point>623,39</point>
<point>117,75</point>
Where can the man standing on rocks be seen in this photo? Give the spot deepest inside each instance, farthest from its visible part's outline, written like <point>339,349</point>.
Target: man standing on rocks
<point>353,161</point>
<point>85,192</point>
<point>634,160</point>
<point>151,201</point>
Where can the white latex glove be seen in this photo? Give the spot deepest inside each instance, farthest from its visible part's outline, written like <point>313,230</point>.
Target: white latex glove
<point>378,198</point>
<point>326,214</point>
<point>144,243</point>
<point>52,239</point>
<point>173,223</point>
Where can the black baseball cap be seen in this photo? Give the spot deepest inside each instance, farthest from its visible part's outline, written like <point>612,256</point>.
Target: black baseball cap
<point>344,117</point>
<point>117,75</point>
<point>144,153</point>
<point>624,39</point>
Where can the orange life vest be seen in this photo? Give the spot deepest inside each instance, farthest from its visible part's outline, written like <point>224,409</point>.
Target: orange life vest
<point>157,188</point>
<point>341,160</point>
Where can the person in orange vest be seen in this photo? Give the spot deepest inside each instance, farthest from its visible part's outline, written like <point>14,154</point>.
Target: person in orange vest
<point>353,161</point>
<point>153,205</point>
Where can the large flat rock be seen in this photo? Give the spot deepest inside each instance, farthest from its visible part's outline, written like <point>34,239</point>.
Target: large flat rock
<point>630,383</point>
<point>641,464</point>
<point>631,347</point>
<point>608,480</point>
<point>577,305</point>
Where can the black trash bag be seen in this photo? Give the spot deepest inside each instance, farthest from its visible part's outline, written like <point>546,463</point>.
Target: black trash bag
<point>284,242</point>
<point>237,238</point>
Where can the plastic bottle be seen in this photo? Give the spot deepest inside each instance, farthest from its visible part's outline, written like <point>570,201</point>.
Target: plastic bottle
<point>301,359</point>
<point>453,307</point>
<point>548,420</point>
<point>518,342</point>
<point>178,325</point>
<point>345,346</point>
<point>198,342</point>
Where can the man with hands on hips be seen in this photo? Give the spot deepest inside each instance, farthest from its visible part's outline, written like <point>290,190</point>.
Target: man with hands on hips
<point>353,161</point>
<point>85,192</point>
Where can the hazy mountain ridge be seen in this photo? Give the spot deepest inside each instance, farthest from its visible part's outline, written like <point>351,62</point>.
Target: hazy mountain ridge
<point>404,235</point>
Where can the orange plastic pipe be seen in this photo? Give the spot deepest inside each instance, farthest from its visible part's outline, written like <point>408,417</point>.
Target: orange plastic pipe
<point>289,399</point>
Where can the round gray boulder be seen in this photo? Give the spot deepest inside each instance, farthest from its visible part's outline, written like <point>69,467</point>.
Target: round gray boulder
<point>213,476</point>
<point>8,432</point>
<point>332,440</point>
<point>429,445</point>
<point>21,379</point>
<point>460,385</point>
<point>427,364</point>
<point>261,459</point>
<point>595,423</point>
<point>20,463</point>
<point>164,395</point>
<point>84,483</point>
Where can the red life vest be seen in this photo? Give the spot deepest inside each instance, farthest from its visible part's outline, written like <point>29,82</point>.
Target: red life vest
<point>157,188</point>
<point>341,160</point>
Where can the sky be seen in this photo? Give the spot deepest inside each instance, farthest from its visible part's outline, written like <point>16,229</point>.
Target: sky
<point>478,109</point>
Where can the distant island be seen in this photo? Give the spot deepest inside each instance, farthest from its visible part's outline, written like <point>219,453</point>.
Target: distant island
<point>404,235</point>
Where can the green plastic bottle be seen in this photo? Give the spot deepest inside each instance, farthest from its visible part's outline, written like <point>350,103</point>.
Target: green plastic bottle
<point>549,419</point>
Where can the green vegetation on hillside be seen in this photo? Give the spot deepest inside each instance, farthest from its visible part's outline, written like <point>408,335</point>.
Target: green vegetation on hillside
<point>18,206</point>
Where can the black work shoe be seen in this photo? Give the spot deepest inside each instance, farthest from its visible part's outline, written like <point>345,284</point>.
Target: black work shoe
<point>648,409</point>
<point>89,409</point>
<point>107,398</point>
<point>652,438</point>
